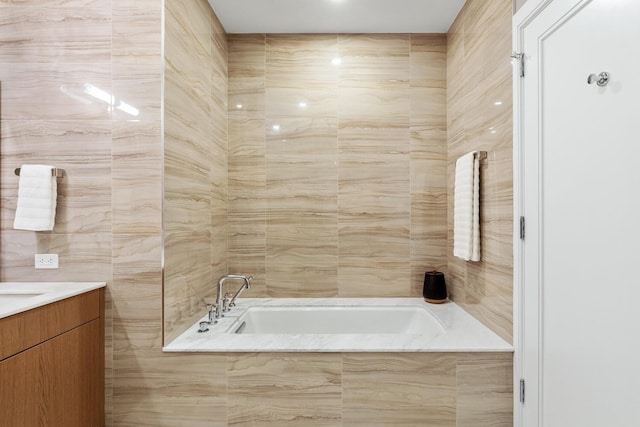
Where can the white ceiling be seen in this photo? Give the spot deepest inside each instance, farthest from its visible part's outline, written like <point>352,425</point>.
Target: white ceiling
<point>336,16</point>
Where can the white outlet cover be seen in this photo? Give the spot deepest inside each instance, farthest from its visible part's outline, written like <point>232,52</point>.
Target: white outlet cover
<point>46,261</point>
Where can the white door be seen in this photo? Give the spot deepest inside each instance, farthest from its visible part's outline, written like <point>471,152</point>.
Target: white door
<point>579,183</point>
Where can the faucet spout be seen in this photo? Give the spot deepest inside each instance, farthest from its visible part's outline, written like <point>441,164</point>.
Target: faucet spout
<point>246,283</point>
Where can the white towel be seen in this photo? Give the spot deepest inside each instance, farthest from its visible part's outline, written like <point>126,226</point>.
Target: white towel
<point>466,219</point>
<point>37,193</point>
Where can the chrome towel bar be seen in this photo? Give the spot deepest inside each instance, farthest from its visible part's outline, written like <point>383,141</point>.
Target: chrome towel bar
<point>58,173</point>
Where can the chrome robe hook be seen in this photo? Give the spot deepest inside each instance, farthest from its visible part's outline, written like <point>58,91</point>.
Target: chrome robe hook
<point>601,79</point>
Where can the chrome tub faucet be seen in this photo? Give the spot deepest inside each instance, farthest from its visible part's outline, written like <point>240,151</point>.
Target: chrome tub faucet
<point>225,301</point>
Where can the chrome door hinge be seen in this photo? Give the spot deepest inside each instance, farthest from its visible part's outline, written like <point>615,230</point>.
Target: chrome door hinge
<point>518,56</point>
<point>521,228</point>
<point>522,391</point>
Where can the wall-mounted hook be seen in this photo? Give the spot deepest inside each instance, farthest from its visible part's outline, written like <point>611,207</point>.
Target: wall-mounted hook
<point>601,79</point>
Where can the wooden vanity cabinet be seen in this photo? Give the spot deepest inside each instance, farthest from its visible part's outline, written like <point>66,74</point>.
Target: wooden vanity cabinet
<point>52,364</point>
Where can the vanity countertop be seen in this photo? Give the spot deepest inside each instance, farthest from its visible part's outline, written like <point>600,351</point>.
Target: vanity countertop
<point>16,297</point>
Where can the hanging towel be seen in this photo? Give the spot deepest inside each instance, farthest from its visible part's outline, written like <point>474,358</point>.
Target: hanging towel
<point>37,193</point>
<point>466,219</point>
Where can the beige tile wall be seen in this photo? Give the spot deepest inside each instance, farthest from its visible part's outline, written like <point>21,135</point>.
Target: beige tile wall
<point>337,174</point>
<point>370,389</point>
<point>110,212</point>
<point>195,161</point>
<point>479,108</point>
<point>108,221</point>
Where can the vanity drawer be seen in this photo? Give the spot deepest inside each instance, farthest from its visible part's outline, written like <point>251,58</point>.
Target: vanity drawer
<point>24,330</point>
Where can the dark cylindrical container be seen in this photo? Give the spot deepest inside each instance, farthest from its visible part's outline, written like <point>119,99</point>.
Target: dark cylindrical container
<point>435,289</point>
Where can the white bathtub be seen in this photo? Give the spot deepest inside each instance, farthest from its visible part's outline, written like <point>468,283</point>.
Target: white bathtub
<point>341,325</point>
<point>337,320</point>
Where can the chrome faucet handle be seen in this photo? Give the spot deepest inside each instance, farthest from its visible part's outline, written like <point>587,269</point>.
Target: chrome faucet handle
<point>225,302</point>
<point>211,309</point>
<point>212,314</point>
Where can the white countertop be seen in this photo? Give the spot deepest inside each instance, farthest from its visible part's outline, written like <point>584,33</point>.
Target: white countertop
<point>463,333</point>
<point>16,297</point>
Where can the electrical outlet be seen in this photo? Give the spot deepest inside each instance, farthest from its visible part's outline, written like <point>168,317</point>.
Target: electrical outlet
<point>46,260</point>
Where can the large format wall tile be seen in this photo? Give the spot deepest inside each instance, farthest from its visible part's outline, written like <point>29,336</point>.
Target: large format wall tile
<point>301,58</point>
<point>279,389</point>
<point>136,32</point>
<point>337,172</point>
<point>169,390</point>
<point>56,90</point>
<point>195,162</point>
<point>57,34</point>
<point>391,389</point>
<point>479,118</point>
<point>485,390</point>
<point>84,193</point>
<point>137,199</point>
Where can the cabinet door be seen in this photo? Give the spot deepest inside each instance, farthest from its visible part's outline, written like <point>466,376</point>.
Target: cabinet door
<point>57,383</point>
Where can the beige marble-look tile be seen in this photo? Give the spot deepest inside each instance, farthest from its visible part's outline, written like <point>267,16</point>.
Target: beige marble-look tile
<point>399,389</point>
<point>485,390</point>
<point>301,58</point>
<point>367,278</point>
<point>301,168</point>
<point>302,255</point>
<point>428,166</point>
<point>137,310</point>
<point>479,118</point>
<point>246,99</point>
<point>137,92</point>
<point>429,104</point>
<point>374,57</point>
<point>136,31</point>
<point>293,100</point>
<point>56,90</point>
<point>301,208</point>
<point>219,165</point>
<point>56,34</point>
<point>83,202</point>
<point>186,168</point>
<point>187,278</point>
<point>219,44</point>
<point>218,252</point>
<point>188,30</point>
<point>82,257</point>
<point>247,56</point>
<point>303,136</point>
<point>374,261</point>
<point>428,237</point>
<point>160,389</point>
<point>188,87</point>
<point>428,58</point>
<point>487,38</point>
<point>136,185</point>
<point>364,193</point>
<point>284,389</point>
<point>374,105</point>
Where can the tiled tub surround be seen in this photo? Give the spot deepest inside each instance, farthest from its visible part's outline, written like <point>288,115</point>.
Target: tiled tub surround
<point>479,117</point>
<point>195,160</point>
<point>451,329</point>
<point>460,380</point>
<point>337,173</point>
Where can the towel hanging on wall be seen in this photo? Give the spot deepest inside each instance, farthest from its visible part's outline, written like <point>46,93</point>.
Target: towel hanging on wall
<point>37,194</point>
<point>466,220</point>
